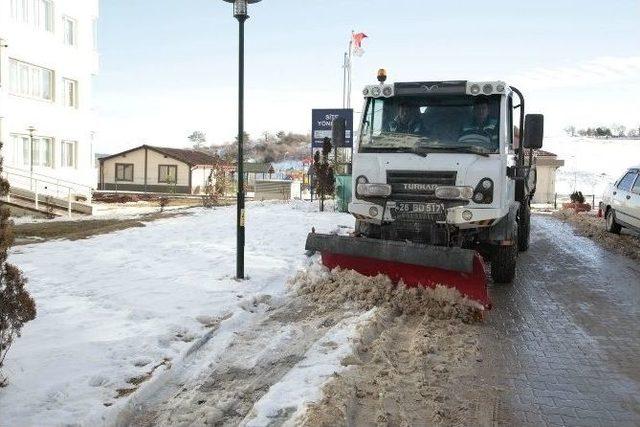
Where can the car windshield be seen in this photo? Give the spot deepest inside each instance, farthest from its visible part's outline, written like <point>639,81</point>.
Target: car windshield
<point>423,124</point>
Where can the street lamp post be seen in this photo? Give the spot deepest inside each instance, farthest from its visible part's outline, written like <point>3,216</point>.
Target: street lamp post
<point>31,130</point>
<point>240,13</point>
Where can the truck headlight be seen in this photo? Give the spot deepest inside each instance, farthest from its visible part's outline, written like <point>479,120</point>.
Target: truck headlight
<point>374,190</point>
<point>483,193</point>
<point>454,192</point>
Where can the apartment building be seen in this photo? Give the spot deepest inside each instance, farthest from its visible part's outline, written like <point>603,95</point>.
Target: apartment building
<point>48,57</point>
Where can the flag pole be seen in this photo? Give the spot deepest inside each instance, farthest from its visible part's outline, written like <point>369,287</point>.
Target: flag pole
<point>349,71</point>
<point>344,80</point>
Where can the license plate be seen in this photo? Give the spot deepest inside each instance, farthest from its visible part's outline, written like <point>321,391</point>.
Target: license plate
<point>424,208</point>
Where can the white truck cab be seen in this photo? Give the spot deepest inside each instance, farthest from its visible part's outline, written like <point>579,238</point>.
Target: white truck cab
<point>442,163</point>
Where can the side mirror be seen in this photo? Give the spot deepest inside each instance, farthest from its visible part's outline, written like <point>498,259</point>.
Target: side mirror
<point>533,131</point>
<point>338,130</point>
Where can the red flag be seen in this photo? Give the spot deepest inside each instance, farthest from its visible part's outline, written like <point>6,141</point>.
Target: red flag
<point>357,39</point>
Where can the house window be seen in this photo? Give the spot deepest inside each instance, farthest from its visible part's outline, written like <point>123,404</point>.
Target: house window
<point>167,174</point>
<point>68,154</point>
<point>42,150</point>
<point>124,172</point>
<point>30,80</point>
<point>69,27</point>
<point>37,13</point>
<point>70,93</point>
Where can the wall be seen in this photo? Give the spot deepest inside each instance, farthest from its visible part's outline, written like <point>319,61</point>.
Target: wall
<point>199,178</point>
<point>546,179</point>
<point>51,119</point>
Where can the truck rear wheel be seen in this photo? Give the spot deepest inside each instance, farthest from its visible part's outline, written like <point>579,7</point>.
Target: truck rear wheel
<point>524,226</point>
<point>503,263</point>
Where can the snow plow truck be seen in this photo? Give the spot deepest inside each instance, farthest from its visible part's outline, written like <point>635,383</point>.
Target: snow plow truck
<point>443,177</point>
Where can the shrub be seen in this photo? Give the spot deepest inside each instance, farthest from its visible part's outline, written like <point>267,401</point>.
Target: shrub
<point>163,201</point>
<point>577,197</point>
<point>16,305</point>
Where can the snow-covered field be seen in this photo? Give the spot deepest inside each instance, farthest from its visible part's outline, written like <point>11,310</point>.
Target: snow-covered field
<point>113,308</point>
<point>591,164</point>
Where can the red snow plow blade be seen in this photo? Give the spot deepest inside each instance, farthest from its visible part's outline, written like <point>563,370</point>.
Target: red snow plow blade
<point>412,263</point>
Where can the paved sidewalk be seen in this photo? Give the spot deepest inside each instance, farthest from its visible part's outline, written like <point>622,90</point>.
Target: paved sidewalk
<point>562,344</point>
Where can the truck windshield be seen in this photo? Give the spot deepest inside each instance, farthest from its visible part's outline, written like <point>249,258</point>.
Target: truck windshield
<point>424,124</point>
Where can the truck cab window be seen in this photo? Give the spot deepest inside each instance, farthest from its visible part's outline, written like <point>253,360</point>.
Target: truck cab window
<point>425,123</point>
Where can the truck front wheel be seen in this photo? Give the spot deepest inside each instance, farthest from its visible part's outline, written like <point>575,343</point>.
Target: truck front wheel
<point>503,263</point>
<point>367,229</point>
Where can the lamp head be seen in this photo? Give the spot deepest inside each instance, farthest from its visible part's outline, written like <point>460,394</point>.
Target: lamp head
<point>240,7</point>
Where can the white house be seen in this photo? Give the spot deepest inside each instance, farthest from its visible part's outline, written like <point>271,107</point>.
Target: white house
<point>48,56</point>
<point>150,169</point>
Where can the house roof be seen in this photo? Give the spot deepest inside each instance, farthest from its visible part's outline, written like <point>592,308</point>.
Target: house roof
<point>190,157</point>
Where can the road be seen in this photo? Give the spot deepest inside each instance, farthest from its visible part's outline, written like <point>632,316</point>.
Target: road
<point>561,345</point>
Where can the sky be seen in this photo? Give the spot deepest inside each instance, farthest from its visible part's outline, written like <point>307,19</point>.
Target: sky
<point>169,67</point>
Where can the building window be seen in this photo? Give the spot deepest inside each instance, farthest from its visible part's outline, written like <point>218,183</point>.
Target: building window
<point>70,93</point>
<point>69,27</point>
<point>30,80</point>
<point>68,154</point>
<point>42,150</point>
<point>124,172</point>
<point>167,174</point>
<point>37,13</point>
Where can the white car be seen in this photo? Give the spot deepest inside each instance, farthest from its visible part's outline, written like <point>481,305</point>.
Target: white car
<point>621,202</point>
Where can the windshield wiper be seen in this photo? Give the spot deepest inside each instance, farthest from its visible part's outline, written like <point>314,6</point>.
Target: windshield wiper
<point>468,150</point>
<point>395,150</point>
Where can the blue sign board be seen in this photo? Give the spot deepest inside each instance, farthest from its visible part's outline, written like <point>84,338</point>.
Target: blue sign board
<point>322,121</point>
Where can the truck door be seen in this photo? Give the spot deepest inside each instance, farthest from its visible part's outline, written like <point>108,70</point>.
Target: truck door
<point>621,197</point>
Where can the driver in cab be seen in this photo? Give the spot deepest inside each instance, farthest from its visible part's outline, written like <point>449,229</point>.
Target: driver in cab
<point>483,128</point>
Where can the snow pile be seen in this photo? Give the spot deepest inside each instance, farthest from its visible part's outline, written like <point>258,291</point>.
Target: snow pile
<point>331,289</point>
<point>408,358</point>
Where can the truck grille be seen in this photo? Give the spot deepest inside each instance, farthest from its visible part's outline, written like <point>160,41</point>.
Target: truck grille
<point>418,185</point>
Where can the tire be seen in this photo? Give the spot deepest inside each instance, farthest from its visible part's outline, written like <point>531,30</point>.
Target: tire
<point>503,263</point>
<point>367,229</point>
<point>524,226</point>
<point>612,225</point>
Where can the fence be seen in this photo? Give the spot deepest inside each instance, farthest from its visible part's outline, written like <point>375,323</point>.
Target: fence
<point>557,199</point>
<point>36,186</point>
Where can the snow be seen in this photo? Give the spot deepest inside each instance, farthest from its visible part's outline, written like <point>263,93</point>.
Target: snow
<point>302,384</point>
<point>112,307</point>
<point>591,164</point>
